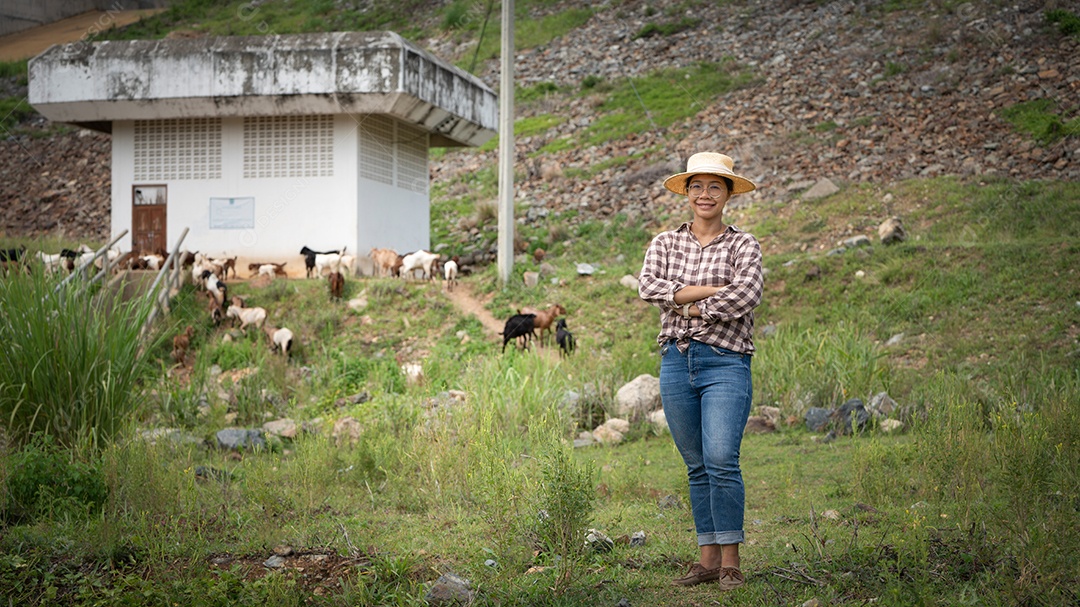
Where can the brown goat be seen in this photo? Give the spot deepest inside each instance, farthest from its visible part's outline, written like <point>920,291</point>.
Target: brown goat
<point>337,284</point>
<point>215,307</point>
<point>181,343</point>
<point>545,319</point>
<point>229,264</point>
<point>384,260</point>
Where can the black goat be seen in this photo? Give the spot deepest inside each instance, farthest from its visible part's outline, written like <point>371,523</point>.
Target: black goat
<point>12,254</point>
<point>518,325</point>
<point>12,257</point>
<point>309,258</point>
<point>564,338</point>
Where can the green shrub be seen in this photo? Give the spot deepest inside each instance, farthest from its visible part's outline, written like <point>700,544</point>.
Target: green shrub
<point>567,496</point>
<point>235,354</point>
<point>14,69</point>
<point>43,481</point>
<point>1068,23</point>
<point>590,81</point>
<point>1038,119</point>
<point>14,110</point>
<point>668,29</point>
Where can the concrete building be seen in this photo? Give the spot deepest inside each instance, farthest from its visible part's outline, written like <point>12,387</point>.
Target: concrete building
<point>262,145</point>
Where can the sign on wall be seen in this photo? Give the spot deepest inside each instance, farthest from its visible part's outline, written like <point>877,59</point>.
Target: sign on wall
<point>232,213</point>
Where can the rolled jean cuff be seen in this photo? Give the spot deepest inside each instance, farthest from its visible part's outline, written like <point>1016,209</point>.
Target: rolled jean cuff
<point>721,537</point>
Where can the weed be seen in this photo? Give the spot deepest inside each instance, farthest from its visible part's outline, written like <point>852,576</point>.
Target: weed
<point>1037,119</point>
<point>44,482</point>
<point>1068,23</point>
<point>71,368</point>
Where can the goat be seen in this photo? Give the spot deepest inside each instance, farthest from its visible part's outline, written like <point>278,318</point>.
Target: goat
<point>419,260</point>
<point>272,270</point>
<point>215,286</point>
<point>181,343</point>
<point>518,325</point>
<point>187,258</point>
<point>348,265</point>
<point>384,261</point>
<point>337,284</point>
<point>450,272</point>
<point>216,309</point>
<point>51,262</point>
<point>279,339</point>
<point>564,338</point>
<point>545,318</point>
<point>247,316</point>
<point>13,258</point>
<point>310,258</point>
<point>153,261</point>
<point>331,261</point>
<point>227,264</point>
<point>15,255</point>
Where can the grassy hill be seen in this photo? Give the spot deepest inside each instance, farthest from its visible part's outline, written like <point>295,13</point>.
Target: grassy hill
<point>971,325</point>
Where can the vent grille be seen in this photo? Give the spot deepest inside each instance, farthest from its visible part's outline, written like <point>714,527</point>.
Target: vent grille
<point>412,158</point>
<point>288,146</point>
<point>393,153</point>
<point>377,149</point>
<point>180,148</point>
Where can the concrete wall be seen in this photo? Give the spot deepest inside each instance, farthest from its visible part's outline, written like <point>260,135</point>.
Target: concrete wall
<point>289,212</point>
<point>18,15</point>
<point>320,212</point>
<point>299,74</point>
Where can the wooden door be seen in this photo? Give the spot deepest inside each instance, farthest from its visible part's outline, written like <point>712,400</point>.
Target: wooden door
<point>148,213</point>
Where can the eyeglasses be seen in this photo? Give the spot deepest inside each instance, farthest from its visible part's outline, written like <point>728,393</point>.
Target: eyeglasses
<point>715,190</point>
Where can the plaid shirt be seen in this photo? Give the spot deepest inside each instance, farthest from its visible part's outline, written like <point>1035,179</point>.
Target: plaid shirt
<point>676,259</point>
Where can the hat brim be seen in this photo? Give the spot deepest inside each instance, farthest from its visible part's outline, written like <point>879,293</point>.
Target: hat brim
<point>739,184</point>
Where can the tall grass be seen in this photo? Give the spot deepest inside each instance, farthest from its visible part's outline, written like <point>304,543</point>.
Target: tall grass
<point>799,367</point>
<point>72,365</point>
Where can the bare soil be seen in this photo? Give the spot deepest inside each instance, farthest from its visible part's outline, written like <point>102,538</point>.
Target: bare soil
<point>27,43</point>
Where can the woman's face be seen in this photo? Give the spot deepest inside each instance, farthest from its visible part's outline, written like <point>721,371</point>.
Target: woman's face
<point>707,194</point>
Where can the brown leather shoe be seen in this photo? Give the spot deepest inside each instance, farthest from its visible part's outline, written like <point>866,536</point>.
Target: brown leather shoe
<point>697,574</point>
<point>730,578</point>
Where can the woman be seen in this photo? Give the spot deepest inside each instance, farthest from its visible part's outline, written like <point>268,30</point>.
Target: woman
<point>706,278</point>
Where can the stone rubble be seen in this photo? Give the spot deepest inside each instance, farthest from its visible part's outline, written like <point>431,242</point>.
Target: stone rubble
<point>845,90</point>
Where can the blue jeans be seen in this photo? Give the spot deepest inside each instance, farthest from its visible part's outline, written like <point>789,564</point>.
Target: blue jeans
<point>706,394</point>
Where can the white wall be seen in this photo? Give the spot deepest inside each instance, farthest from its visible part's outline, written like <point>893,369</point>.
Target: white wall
<point>392,218</point>
<point>320,212</point>
<point>290,213</point>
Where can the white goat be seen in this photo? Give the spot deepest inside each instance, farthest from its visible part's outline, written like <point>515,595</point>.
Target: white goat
<point>348,265</point>
<point>215,286</point>
<point>51,262</point>
<point>450,272</point>
<point>331,261</point>
<point>247,316</point>
<point>153,261</point>
<point>280,339</point>
<point>420,260</point>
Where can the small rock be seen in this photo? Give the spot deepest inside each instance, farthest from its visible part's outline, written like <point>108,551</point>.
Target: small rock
<point>598,541</point>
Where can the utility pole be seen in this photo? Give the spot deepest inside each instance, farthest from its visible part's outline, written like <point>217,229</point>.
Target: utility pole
<point>506,145</point>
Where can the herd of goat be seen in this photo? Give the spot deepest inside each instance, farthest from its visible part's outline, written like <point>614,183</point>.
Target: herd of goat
<point>209,275</point>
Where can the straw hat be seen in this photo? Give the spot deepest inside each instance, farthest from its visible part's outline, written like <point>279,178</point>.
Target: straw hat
<point>709,163</point>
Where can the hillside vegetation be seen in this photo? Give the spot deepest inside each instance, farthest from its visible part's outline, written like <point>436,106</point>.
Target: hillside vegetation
<point>971,324</point>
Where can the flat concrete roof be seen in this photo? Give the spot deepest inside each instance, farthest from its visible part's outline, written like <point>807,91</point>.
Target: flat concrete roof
<point>94,84</point>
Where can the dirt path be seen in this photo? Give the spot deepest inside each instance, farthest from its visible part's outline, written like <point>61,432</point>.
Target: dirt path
<point>464,300</point>
<point>27,43</point>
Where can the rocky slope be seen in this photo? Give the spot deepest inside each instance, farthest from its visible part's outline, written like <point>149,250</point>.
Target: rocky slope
<point>845,90</point>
